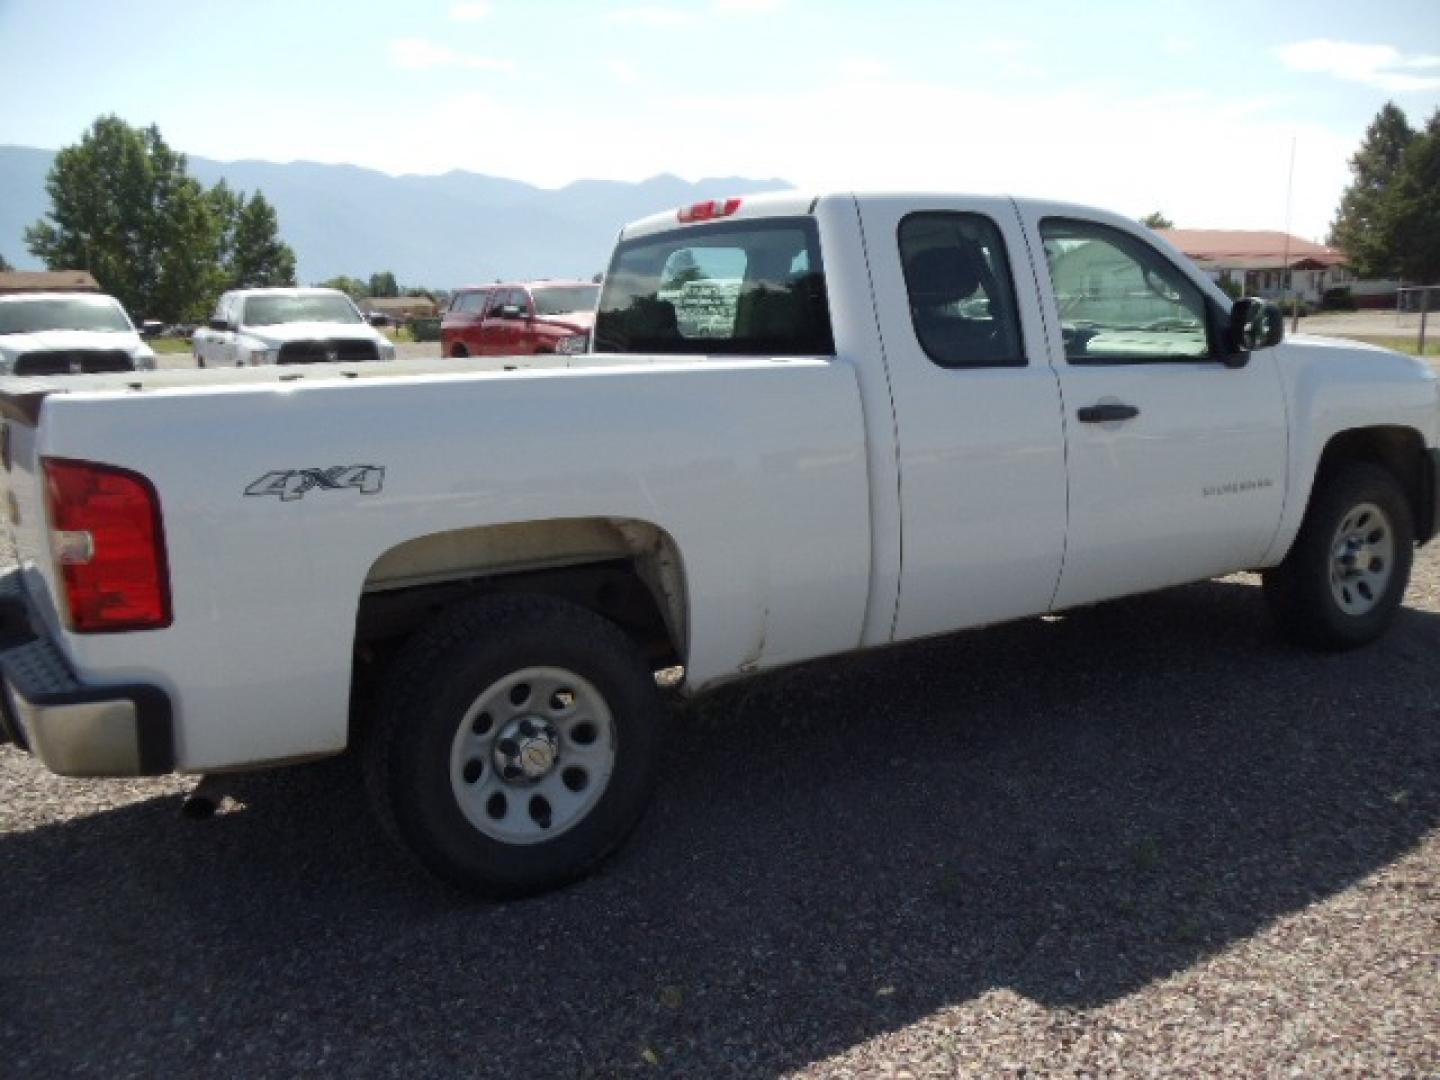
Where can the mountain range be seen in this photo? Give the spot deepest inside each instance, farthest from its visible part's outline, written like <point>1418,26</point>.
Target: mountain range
<point>438,231</point>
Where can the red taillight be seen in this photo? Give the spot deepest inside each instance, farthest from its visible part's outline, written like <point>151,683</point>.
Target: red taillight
<point>109,547</point>
<point>709,210</point>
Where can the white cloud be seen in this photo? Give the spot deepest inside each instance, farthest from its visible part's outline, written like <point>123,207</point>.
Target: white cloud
<point>1381,66</point>
<point>860,67</point>
<point>651,15</point>
<point>1006,46</point>
<point>473,11</point>
<point>418,54</point>
<point>623,72</point>
<point>668,15</point>
<point>1100,144</point>
<point>744,7</point>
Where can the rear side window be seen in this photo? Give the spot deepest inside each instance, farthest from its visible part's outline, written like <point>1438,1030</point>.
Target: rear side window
<point>962,298</point>
<point>734,288</point>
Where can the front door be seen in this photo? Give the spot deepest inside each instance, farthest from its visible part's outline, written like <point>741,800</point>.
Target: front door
<point>1177,462</point>
<point>977,410</point>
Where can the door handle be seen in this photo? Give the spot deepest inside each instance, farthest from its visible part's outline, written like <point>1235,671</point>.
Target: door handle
<point>1106,411</point>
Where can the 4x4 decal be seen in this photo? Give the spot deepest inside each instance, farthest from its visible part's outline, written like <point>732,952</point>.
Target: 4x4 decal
<point>291,484</point>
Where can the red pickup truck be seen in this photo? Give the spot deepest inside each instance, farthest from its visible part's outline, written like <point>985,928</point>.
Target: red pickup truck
<point>507,320</point>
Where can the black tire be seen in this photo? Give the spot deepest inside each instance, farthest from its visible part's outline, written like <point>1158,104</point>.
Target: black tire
<point>439,674</point>
<point>199,360</point>
<point>1299,591</point>
<point>459,352</point>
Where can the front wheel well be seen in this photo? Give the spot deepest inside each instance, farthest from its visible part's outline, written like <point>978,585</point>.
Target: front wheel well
<point>1398,450</point>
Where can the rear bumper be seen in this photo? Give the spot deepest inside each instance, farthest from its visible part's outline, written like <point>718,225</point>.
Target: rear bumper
<point>74,728</point>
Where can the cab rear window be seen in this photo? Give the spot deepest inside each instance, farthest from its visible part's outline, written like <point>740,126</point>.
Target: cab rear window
<point>733,288</point>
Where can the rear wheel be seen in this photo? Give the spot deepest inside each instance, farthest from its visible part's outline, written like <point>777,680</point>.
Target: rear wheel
<point>1346,574</point>
<point>515,745</point>
<point>459,352</point>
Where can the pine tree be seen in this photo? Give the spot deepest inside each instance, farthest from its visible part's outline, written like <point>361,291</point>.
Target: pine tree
<point>257,256</point>
<point>1410,219</point>
<point>1360,228</point>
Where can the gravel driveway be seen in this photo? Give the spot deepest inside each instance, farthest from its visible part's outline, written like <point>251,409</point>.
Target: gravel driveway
<point>1145,837</point>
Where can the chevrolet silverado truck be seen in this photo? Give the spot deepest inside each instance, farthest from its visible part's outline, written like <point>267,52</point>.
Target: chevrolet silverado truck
<point>58,333</point>
<point>811,425</point>
<point>253,327</point>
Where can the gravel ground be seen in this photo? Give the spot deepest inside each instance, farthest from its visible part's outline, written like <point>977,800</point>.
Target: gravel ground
<point>1147,837</point>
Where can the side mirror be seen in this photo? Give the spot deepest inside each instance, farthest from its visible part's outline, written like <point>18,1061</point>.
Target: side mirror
<point>378,319</point>
<point>219,324</point>
<point>1255,324</point>
<point>510,311</point>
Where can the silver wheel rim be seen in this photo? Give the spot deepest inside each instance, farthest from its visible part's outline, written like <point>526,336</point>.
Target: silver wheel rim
<point>1362,559</point>
<point>532,755</point>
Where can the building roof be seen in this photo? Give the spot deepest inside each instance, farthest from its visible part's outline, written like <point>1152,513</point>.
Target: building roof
<point>1244,249</point>
<point>396,303</point>
<point>47,281</point>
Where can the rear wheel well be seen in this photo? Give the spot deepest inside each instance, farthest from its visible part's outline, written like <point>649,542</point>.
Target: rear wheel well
<point>626,571</point>
<point>1398,450</point>
<point>612,588</point>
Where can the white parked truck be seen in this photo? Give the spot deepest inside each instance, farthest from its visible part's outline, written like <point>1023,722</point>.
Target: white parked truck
<point>68,333</point>
<point>896,416</point>
<point>252,327</point>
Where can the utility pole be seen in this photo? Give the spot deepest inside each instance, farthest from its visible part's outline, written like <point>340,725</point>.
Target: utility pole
<point>1290,274</point>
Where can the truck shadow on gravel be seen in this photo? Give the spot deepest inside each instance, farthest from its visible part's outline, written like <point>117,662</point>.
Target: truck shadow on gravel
<point>1071,809</point>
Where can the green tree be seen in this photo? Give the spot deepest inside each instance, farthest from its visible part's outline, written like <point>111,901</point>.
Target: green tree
<point>1361,227</point>
<point>5,266</point>
<point>352,287</point>
<point>683,270</point>
<point>384,284</point>
<point>1157,220</point>
<point>1410,219</point>
<point>255,255</point>
<point>123,207</point>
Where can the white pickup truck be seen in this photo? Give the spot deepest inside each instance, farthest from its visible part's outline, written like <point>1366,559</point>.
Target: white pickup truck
<point>252,327</point>
<point>60,333</point>
<point>885,417</point>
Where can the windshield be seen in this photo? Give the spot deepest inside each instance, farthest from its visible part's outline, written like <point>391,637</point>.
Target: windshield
<point>562,300</point>
<point>739,288</point>
<point>70,313</point>
<point>315,307</point>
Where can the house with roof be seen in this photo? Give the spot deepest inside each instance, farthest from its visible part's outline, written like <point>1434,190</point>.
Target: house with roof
<point>1265,263</point>
<point>24,281</point>
<point>399,308</point>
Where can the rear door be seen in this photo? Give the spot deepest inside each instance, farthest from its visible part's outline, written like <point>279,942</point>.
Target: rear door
<point>977,411</point>
<point>1176,461</point>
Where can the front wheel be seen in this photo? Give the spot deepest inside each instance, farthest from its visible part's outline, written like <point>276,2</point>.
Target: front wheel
<point>515,745</point>
<point>1346,574</point>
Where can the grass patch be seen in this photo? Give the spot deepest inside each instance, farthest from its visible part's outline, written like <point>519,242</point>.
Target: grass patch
<point>168,346</point>
<point>1406,343</point>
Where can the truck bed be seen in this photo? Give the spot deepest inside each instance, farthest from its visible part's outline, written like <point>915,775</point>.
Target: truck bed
<point>754,467</point>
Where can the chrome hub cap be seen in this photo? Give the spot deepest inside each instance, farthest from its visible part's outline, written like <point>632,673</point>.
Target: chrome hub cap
<point>527,749</point>
<point>533,755</point>
<point>1362,558</point>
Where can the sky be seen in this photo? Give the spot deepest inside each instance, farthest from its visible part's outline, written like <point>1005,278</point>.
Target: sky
<point>1190,108</point>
